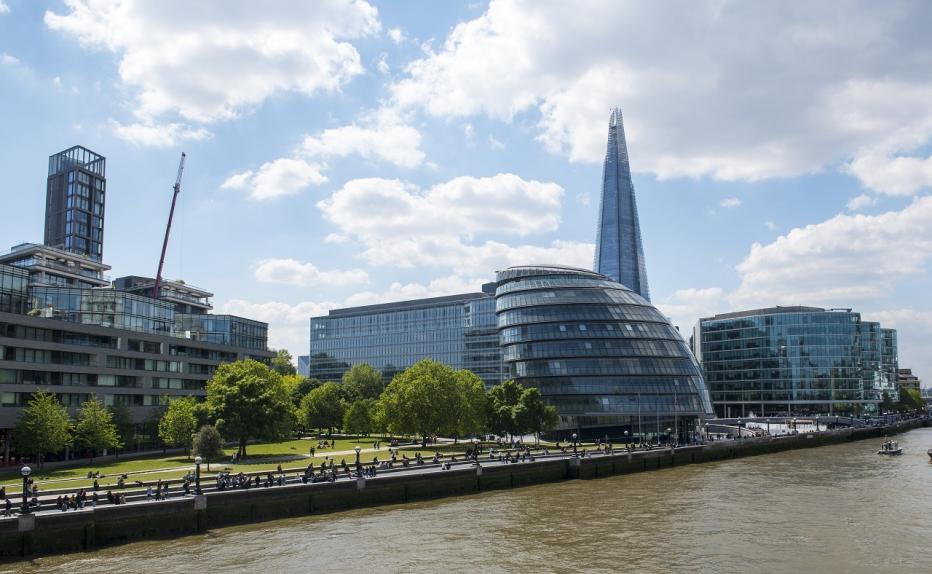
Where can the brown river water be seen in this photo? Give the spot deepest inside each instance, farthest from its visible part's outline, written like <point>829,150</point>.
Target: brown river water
<point>838,508</point>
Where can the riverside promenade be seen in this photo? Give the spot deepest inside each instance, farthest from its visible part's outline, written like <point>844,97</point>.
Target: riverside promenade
<point>53,531</point>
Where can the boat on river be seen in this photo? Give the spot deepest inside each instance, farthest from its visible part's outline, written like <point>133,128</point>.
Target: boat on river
<point>890,448</point>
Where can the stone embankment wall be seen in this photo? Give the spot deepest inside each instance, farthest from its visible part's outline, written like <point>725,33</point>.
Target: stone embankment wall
<point>71,531</point>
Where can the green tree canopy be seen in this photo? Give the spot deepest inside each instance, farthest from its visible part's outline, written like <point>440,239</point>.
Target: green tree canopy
<point>503,399</point>
<point>323,407</point>
<point>472,412</point>
<point>126,428</point>
<point>911,399</point>
<point>94,429</point>
<point>43,426</point>
<point>298,387</point>
<point>422,400</point>
<point>282,363</point>
<point>248,400</point>
<point>359,417</point>
<point>179,423</point>
<point>208,444</point>
<point>532,415</point>
<point>362,382</point>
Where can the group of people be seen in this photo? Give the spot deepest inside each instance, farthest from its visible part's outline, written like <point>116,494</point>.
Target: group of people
<point>161,491</point>
<point>75,501</point>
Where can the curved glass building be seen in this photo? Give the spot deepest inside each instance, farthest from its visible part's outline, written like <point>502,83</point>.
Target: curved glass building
<point>607,359</point>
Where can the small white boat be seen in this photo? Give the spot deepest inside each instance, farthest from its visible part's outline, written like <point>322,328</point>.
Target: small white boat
<point>890,448</point>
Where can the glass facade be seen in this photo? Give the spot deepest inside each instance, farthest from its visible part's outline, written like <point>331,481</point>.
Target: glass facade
<point>618,250</point>
<point>13,291</point>
<point>458,331</point>
<point>75,198</point>
<point>795,361</point>
<point>223,330</point>
<point>104,307</point>
<point>600,353</point>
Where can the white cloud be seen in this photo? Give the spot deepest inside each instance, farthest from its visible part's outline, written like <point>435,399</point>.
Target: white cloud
<point>291,272</point>
<point>661,63</point>
<point>8,59</point>
<point>495,144</point>
<point>892,175</point>
<point>845,259</point>
<point>686,306</point>
<point>382,63</point>
<point>4,9</point>
<point>861,201</point>
<point>383,136</point>
<point>212,61</point>
<point>403,225</point>
<point>770,225</point>
<point>469,131</point>
<point>730,202</point>
<point>56,81</point>
<point>397,35</point>
<point>159,135</point>
<point>335,238</point>
<point>277,178</point>
<point>584,198</point>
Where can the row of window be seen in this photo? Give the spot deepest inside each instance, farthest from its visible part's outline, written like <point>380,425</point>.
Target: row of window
<point>594,348</point>
<point>603,367</point>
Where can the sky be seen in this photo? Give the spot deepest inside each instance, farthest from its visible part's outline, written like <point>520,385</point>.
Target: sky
<point>347,152</point>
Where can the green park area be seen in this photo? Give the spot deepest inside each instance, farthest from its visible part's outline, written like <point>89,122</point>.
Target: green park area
<point>255,410</point>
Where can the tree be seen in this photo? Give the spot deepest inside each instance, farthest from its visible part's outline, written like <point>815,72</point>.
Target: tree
<point>472,413</point>
<point>532,415</point>
<point>298,387</point>
<point>358,417</point>
<point>208,444</point>
<point>282,363</point>
<point>503,399</point>
<point>423,400</point>
<point>887,403</point>
<point>126,428</point>
<point>179,423</point>
<point>911,399</point>
<point>323,407</point>
<point>94,429</point>
<point>362,382</point>
<point>43,426</point>
<point>247,399</point>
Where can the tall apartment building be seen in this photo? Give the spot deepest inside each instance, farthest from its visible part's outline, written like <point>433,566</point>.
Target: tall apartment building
<point>74,202</point>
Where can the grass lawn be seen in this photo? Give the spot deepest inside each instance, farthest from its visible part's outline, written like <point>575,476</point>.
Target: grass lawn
<point>266,456</point>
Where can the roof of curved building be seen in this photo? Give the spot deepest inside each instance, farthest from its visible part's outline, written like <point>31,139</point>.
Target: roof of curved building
<point>532,270</point>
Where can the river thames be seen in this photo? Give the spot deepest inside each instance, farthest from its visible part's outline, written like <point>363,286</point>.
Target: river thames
<point>838,508</point>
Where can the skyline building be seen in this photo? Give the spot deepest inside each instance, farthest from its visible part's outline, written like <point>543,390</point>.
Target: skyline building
<point>796,361</point>
<point>607,359</point>
<point>74,202</point>
<point>619,254</point>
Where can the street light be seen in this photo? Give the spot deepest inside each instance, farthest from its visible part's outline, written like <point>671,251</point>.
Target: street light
<point>25,471</point>
<point>739,428</point>
<point>197,475</point>
<point>574,444</point>
<point>358,448</point>
<point>706,427</point>
<point>626,441</point>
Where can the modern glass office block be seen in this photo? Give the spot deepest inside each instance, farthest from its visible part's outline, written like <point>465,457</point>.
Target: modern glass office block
<point>600,353</point>
<point>786,361</point>
<point>618,250</point>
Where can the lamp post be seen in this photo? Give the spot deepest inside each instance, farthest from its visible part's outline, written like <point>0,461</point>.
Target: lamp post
<point>739,428</point>
<point>197,475</point>
<point>574,445</point>
<point>25,471</point>
<point>706,427</point>
<point>357,448</point>
<point>626,441</point>
<point>669,436</point>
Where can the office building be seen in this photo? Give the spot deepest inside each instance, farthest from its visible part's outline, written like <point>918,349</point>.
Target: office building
<point>619,254</point>
<point>606,358</point>
<point>74,203</point>
<point>457,330</point>
<point>66,329</point>
<point>905,379</point>
<point>795,361</point>
<point>304,365</point>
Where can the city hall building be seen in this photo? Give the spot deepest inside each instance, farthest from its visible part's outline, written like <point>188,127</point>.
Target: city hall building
<point>67,329</point>
<point>784,361</point>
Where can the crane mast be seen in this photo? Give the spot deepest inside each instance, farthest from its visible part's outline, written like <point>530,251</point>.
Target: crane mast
<point>168,228</point>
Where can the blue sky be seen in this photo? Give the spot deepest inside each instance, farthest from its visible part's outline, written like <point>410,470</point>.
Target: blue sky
<point>346,153</point>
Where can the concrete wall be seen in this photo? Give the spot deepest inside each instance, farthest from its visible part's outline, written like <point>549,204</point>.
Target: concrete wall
<point>91,528</point>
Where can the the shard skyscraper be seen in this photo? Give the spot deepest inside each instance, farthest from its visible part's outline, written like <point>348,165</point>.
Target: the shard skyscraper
<point>618,250</point>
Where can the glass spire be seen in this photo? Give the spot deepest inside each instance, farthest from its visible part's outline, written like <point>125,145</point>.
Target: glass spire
<point>618,250</point>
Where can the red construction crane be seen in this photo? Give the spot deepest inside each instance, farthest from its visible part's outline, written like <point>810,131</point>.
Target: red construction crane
<point>168,228</point>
